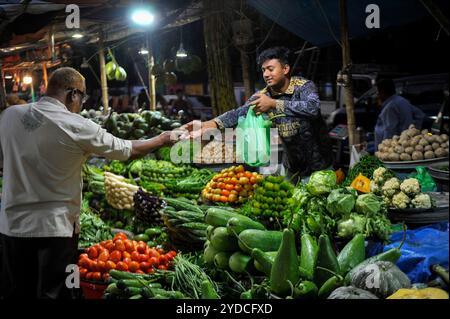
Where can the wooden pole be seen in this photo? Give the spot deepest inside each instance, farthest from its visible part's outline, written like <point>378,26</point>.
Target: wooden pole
<point>346,65</point>
<point>104,83</point>
<point>44,74</point>
<point>151,77</point>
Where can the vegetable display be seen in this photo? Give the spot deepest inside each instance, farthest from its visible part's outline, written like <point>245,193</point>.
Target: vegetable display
<point>93,229</point>
<point>216,152</point>
<point>146,208</point>
<point>413,145</point>
<point>366,167</point>
<point>231,185</point>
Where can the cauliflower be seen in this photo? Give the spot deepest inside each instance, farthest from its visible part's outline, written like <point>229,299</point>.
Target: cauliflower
<point>387,201</point>
<point>375,188</point>
<point>422,201</point>
<point>391,187</point>
<point>400,200</point>
<point>410,187</point>
<point>378,175</point>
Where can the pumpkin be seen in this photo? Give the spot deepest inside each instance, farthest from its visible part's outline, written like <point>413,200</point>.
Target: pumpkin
<point>361,184</point>
<point>426,293</point>
<point>382,278</point>
<point>351,292</point>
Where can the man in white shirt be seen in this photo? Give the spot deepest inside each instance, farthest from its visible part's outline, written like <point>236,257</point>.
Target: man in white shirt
<point>43,146</point>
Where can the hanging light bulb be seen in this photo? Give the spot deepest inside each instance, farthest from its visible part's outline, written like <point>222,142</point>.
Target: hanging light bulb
<point>85,64</point>
<point>27,79</point>
<point>181,53</point>
<point>143,51</point>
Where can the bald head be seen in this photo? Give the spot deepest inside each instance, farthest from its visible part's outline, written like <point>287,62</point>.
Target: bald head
<point>65,78</point>
<point>67,85</point>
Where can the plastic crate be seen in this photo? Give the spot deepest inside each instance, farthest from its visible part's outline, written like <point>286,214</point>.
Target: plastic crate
<point>92,290</point>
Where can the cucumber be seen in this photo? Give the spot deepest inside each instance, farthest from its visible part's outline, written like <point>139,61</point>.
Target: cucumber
<point>209,231</point>
<point>142,237</point>
<point>209,254</point>
<point>266,240</point>
<point>223,241</point>
<point>131,291</point>
<point>151,232</point>
<point>239,262</point>
<point>221,259</point>
<point>263,260</point>
<point>196,226</point>
<point>219,217</point>
<point>117,274</point>
<point>124,283</point>
<point>236,225</point>
<point>113,289</point>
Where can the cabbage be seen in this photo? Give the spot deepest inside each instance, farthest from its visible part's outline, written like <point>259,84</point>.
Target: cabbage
<point>368,204</point>
<point>321,182</point>
<point>341,201</point>
<point>300,197</point>
<point>349,227</point>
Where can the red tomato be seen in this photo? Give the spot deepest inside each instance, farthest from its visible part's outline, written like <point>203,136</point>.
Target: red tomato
<point>223,199</point>
<point>83,256</point>
<point>151,270</point>
<point>92,252</point>
<point>153,253</point>
<point>126,254</point>
<point>162,259</point>
<point>97,276</point>
<point>83,272</point>
<point>225,192</point>
<point>89,275</point>
<point>229,187</point>
<point>110,265</point>
<point>109,245</point>
<point>162,267</point>
<point>105,276</point>
<point>135,256</point>
<point>93,266</point>
<point>144,266</point>
<point>104,256</point>
<point>115,256</point>
<point>101,266</point>
<point>133,266</point>
<point>84,262</point>
<point>143,257</point>
<point>119,245</point>
<point>153,261</point>
<point>120,236</point>
<point>248,174</point>
<point>127,261</point>
<point>129,247</point>
<point>122,266</point>
<point>142,247</point>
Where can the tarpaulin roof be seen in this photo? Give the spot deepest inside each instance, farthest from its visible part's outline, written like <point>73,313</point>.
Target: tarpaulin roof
<point>318,22</point>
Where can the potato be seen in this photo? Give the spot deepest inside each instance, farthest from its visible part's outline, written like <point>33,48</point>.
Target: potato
<point>435,145</point>
<point>390,150</point>
<point>380,147</point>
<point>395,138</point>
<point>405,143</point>
<point>429,155</point>
<point>385,156</point>
<point>416,156</point>
<point>419,148</point>
<point>411,126</point>
<point>444,137</point>
<point>405,157</point>
<point>444,145</point>
<point>440,152</point>
<point>394,157</point>
<point>423,142</point>
<point>428,148</point>
<point>424,132</point>
<point>394,143</point>
<point>416,139</point>
<point>399,149</point>
<point>429,138</point>
<point>438,139</point>
<point>413,132</point>
<point>387,142</point>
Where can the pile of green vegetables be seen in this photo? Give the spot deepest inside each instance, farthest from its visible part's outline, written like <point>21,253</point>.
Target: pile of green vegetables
<point>320,207</point>
<point>93,180</point>
<point>93,229</point>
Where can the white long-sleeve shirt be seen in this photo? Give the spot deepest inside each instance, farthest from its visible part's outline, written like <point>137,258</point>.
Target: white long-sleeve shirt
<point>42,149</point>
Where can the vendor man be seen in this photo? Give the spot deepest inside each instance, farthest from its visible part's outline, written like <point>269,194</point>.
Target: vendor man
<point>301,127</point>
<point>43,146</point>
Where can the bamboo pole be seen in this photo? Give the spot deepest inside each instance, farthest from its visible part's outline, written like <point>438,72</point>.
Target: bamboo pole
<point>44,74</point>
<point>104,83</point>
<point>151,77</point>
<point>346,64</point>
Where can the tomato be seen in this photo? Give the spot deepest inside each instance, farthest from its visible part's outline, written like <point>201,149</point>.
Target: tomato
<point>104,256</point>
<point>142,247</point>
<point>120,236</point>
<point>248,187</point>
<point>133,266</point>
<point>143,257</point>
<point>151,270</point>
<point>129,247</point>
<point>115,256</point>
<point>97,276</point>
<point>109,245</point>
<point>253,180</point>
<point>238,188</point>
<point>220,180</point>
<point>83,272</point>
<point>243,193</point>
<point>223,199</point>
<point>92,252</point>
<point>84,262</point>
<point>110,265</point>
<point>83,256</point>
<point>140,272</point>
<point>232,198</point>
<point>216,198</point>
<point>162,267</point>
<point>93,266</point>
<point>173,253</point>
<point>88,275</point>
<point>105,276</point>
<point>217,191</point>
<point>144,266</point>
<point>126,254</point>
<point>135,256</point>
<point>243,180</point>
<point>128,261</point>
<point>153,253</point>
<point>239,175</point>
<point>122,266</point>
<point>248,174</point>
<point>101,266</point>
<point>162,260</point>
<point>229,187</point>
<point>239,169</point>
<point>153,261</point>
<point>224,192</point>
<point>119,245</point>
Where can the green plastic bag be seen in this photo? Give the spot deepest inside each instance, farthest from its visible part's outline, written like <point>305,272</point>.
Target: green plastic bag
<point>426,182</point>
<point>253,139</point>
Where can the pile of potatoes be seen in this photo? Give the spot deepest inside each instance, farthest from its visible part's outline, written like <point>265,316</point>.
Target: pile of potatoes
<point>413,145</point>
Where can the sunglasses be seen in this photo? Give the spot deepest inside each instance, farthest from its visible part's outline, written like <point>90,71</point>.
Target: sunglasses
<point>84,96</point>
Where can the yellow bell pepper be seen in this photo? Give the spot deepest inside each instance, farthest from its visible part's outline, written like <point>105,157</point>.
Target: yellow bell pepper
<point>426,293</point>
<point>361,184</point>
